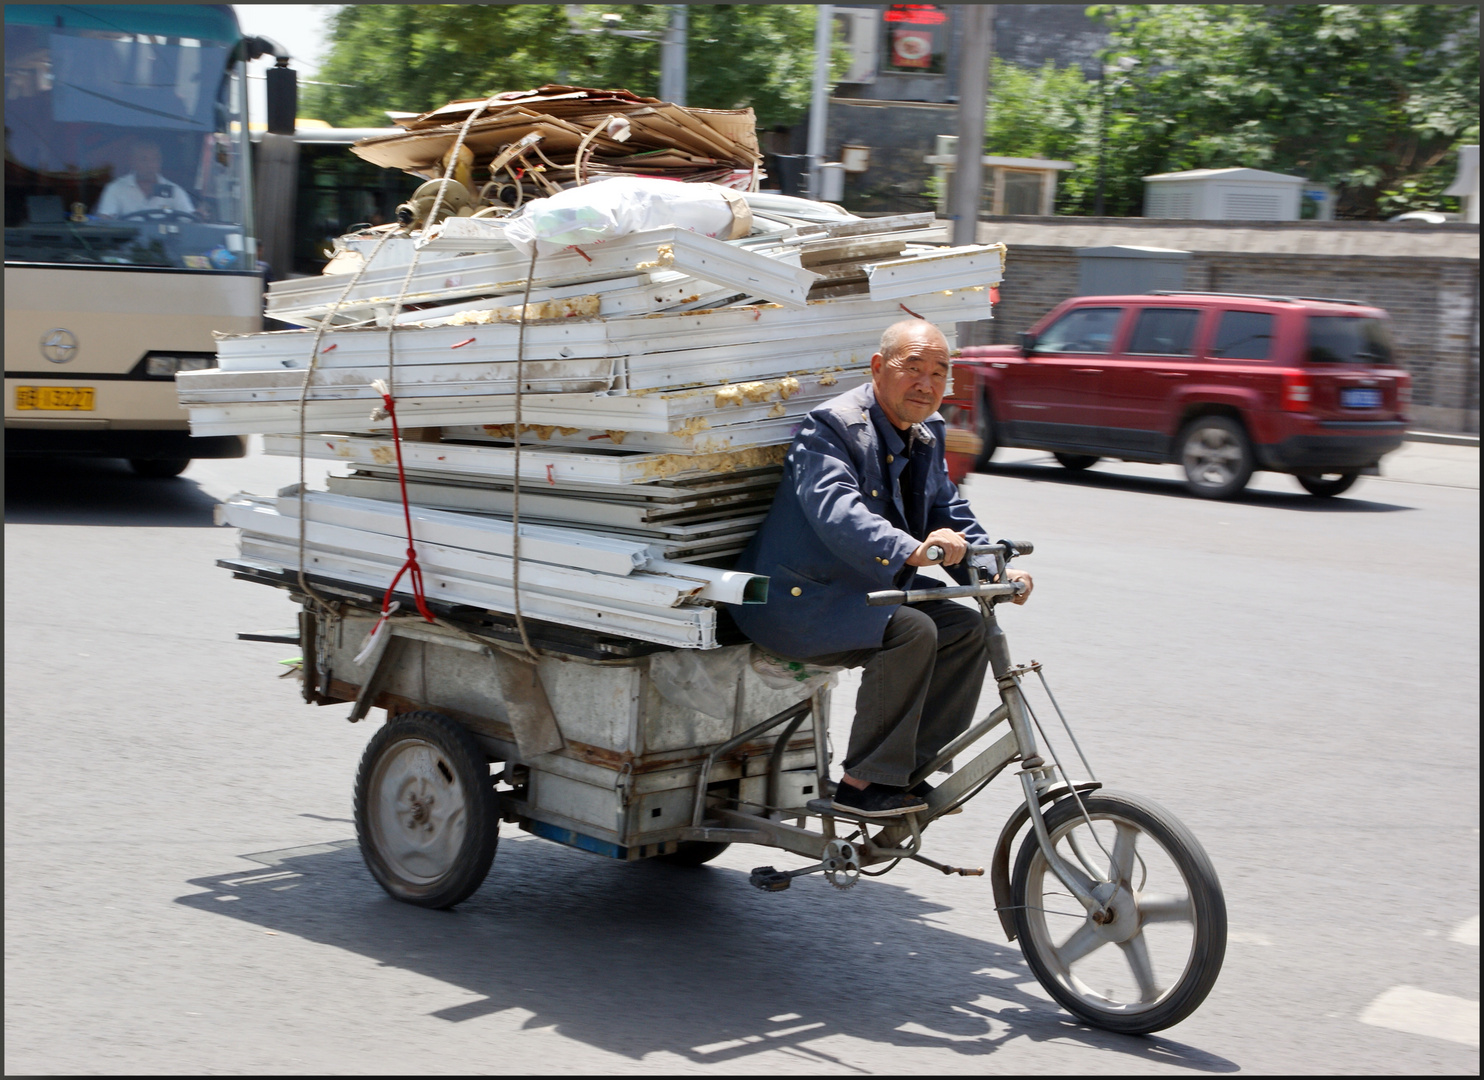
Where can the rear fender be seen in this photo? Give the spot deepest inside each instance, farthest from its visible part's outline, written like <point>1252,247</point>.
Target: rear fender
<point>999,871</point>
<point>1245,406</point>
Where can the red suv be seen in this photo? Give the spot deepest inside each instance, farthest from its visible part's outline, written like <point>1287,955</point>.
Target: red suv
<point>1220,383</point>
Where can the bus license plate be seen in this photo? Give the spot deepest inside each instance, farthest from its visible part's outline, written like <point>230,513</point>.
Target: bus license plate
<point>1360,397</point>
<point>55,398</point>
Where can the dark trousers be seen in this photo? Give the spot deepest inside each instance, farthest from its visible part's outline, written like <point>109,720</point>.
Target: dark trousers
<point>918,691</point>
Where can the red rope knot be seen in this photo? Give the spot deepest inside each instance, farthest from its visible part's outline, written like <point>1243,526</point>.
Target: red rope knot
<point>410,567</point>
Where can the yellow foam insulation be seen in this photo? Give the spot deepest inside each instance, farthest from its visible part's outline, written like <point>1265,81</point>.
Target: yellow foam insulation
<point>664,256</point>
<point>753,457</point>
<point>572,307</point>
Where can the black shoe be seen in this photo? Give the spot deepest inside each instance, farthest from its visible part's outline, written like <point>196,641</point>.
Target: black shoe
<point>876,801</point>
<point>923,789</point>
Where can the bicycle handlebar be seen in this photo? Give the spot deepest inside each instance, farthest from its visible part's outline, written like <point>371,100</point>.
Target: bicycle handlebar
<point>1017,547</point>
<point>948,592</point>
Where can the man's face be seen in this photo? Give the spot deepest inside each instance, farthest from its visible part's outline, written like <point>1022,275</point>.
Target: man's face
<point>910,384</point>
<point>146,162</point>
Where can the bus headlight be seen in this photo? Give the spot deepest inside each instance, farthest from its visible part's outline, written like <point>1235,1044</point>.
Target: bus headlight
<point>165,367</point>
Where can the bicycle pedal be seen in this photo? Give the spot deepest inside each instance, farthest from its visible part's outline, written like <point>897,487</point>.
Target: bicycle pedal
<point>769,879</point>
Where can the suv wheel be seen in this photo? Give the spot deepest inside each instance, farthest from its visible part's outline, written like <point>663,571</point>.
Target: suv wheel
<point>1076,462</point>
<point>1328,485</point>
<point>1216,456</point>
<point>984,428</point>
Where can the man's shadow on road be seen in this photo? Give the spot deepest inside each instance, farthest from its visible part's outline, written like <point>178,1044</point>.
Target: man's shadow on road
<point>99,491</point>
<point>639,958</point>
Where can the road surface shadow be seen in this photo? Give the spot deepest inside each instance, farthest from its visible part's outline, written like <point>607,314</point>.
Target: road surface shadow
<point>1092,478</point>
<point>99,491</point>
<point>639,958</point>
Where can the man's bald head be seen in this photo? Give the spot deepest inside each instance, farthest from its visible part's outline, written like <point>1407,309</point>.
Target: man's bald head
<point>910,372</point>
<point>905,334</point>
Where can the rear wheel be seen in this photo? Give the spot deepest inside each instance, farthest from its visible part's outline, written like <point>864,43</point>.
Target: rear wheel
<point>984,428</point>
<point>694,852</point>
<point>1156,955</point>
<point>426,813</point>
<point>1328,485</point>
<point>1216,456</point>
<point>159,468</point>
<point>1077,462</point>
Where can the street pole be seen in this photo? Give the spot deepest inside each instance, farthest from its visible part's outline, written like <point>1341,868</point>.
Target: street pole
<point>973,91</point>
<point>672,56</point>
<point>823,36</point>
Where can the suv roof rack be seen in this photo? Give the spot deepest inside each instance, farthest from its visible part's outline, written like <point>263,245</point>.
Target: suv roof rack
<point>1260,296</point>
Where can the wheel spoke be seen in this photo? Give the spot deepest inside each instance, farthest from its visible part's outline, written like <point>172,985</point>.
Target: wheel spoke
<point>1161,908</point>
<point>1121,869</point>
<point>1085,939</point>
<point>1136,952</point>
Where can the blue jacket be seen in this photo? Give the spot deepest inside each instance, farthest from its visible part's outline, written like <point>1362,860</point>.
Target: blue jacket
<point>827,540</point>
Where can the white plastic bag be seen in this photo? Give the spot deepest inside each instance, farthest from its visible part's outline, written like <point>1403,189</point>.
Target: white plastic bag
<point>623,205</point>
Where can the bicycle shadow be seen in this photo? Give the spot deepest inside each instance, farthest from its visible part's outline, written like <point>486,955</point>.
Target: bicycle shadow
<point>639,958</point>
<point>99,491</point>
<point>1051,472</point>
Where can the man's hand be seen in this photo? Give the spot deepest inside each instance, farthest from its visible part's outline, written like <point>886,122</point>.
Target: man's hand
<point>1020,575</point>
<point>954,544</point>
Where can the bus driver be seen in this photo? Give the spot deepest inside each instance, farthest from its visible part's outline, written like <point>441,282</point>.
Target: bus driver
<point>144,188</point>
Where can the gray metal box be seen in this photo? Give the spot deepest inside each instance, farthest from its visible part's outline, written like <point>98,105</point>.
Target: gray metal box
<point>1111,271</point>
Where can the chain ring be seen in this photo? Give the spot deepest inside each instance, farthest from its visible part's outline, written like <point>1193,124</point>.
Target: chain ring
<point>843,868</point>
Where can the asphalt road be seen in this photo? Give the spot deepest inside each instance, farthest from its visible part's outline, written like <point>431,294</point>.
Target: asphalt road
<point>1296,679</point>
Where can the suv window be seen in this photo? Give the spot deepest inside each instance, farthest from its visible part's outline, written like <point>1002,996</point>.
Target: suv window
<point>1348,339</point>
<point>1085,330</point>
<point>1165,331</point>
<point>1243,335</point>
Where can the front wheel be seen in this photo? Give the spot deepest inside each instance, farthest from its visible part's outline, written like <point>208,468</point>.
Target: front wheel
<point>1216,456</point>
<point>1328,485</point>
<point>1076,462</point>
<point>426,813</point>
<point>1156,954</point>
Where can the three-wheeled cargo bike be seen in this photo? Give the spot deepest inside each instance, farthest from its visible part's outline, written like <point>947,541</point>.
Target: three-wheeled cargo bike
<point>634,752</point>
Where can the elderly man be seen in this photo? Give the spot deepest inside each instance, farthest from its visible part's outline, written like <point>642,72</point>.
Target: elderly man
<point>865,494</point>
<point>144,188</point>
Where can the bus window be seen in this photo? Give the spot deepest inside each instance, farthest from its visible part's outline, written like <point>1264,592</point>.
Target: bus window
<point>123,145</point>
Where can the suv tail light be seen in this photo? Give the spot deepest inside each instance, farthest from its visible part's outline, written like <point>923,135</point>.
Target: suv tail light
<point>1298,392</point>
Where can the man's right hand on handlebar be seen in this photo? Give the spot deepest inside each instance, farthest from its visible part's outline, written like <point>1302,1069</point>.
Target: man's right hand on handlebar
<point>954,544</point>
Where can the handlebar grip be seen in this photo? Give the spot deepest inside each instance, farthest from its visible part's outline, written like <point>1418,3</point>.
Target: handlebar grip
<point>886,598</point>
<point>934,553</point>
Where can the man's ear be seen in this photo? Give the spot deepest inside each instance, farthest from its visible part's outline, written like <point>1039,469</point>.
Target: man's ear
<point>875,363</point>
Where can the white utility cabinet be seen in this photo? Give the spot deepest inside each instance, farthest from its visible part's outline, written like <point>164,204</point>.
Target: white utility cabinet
<point>1223,195</point>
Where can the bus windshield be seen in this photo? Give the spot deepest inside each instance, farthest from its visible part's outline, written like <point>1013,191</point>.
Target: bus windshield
<point>125,137</point>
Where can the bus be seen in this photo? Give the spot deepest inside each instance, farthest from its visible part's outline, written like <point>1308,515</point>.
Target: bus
<point>128,226</point>
<point>320,191</point>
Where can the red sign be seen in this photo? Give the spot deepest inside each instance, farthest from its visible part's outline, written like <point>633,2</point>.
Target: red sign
<point>911,48</point>
<point>920,14</point>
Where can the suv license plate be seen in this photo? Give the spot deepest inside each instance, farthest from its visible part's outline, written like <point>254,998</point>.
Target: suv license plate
<point>55,398</point>
<point>1360,397</point>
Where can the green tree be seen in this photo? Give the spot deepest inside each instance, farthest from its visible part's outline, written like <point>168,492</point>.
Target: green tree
<point>415,57</point>
<point>1046,112</point>
<point>1372,99</point>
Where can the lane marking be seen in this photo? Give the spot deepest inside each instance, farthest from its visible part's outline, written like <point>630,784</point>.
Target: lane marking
<point>1421,1012</point>
<point>1467,932</point>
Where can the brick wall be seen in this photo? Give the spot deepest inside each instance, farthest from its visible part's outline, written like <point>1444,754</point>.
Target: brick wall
<point>1433,303</point>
